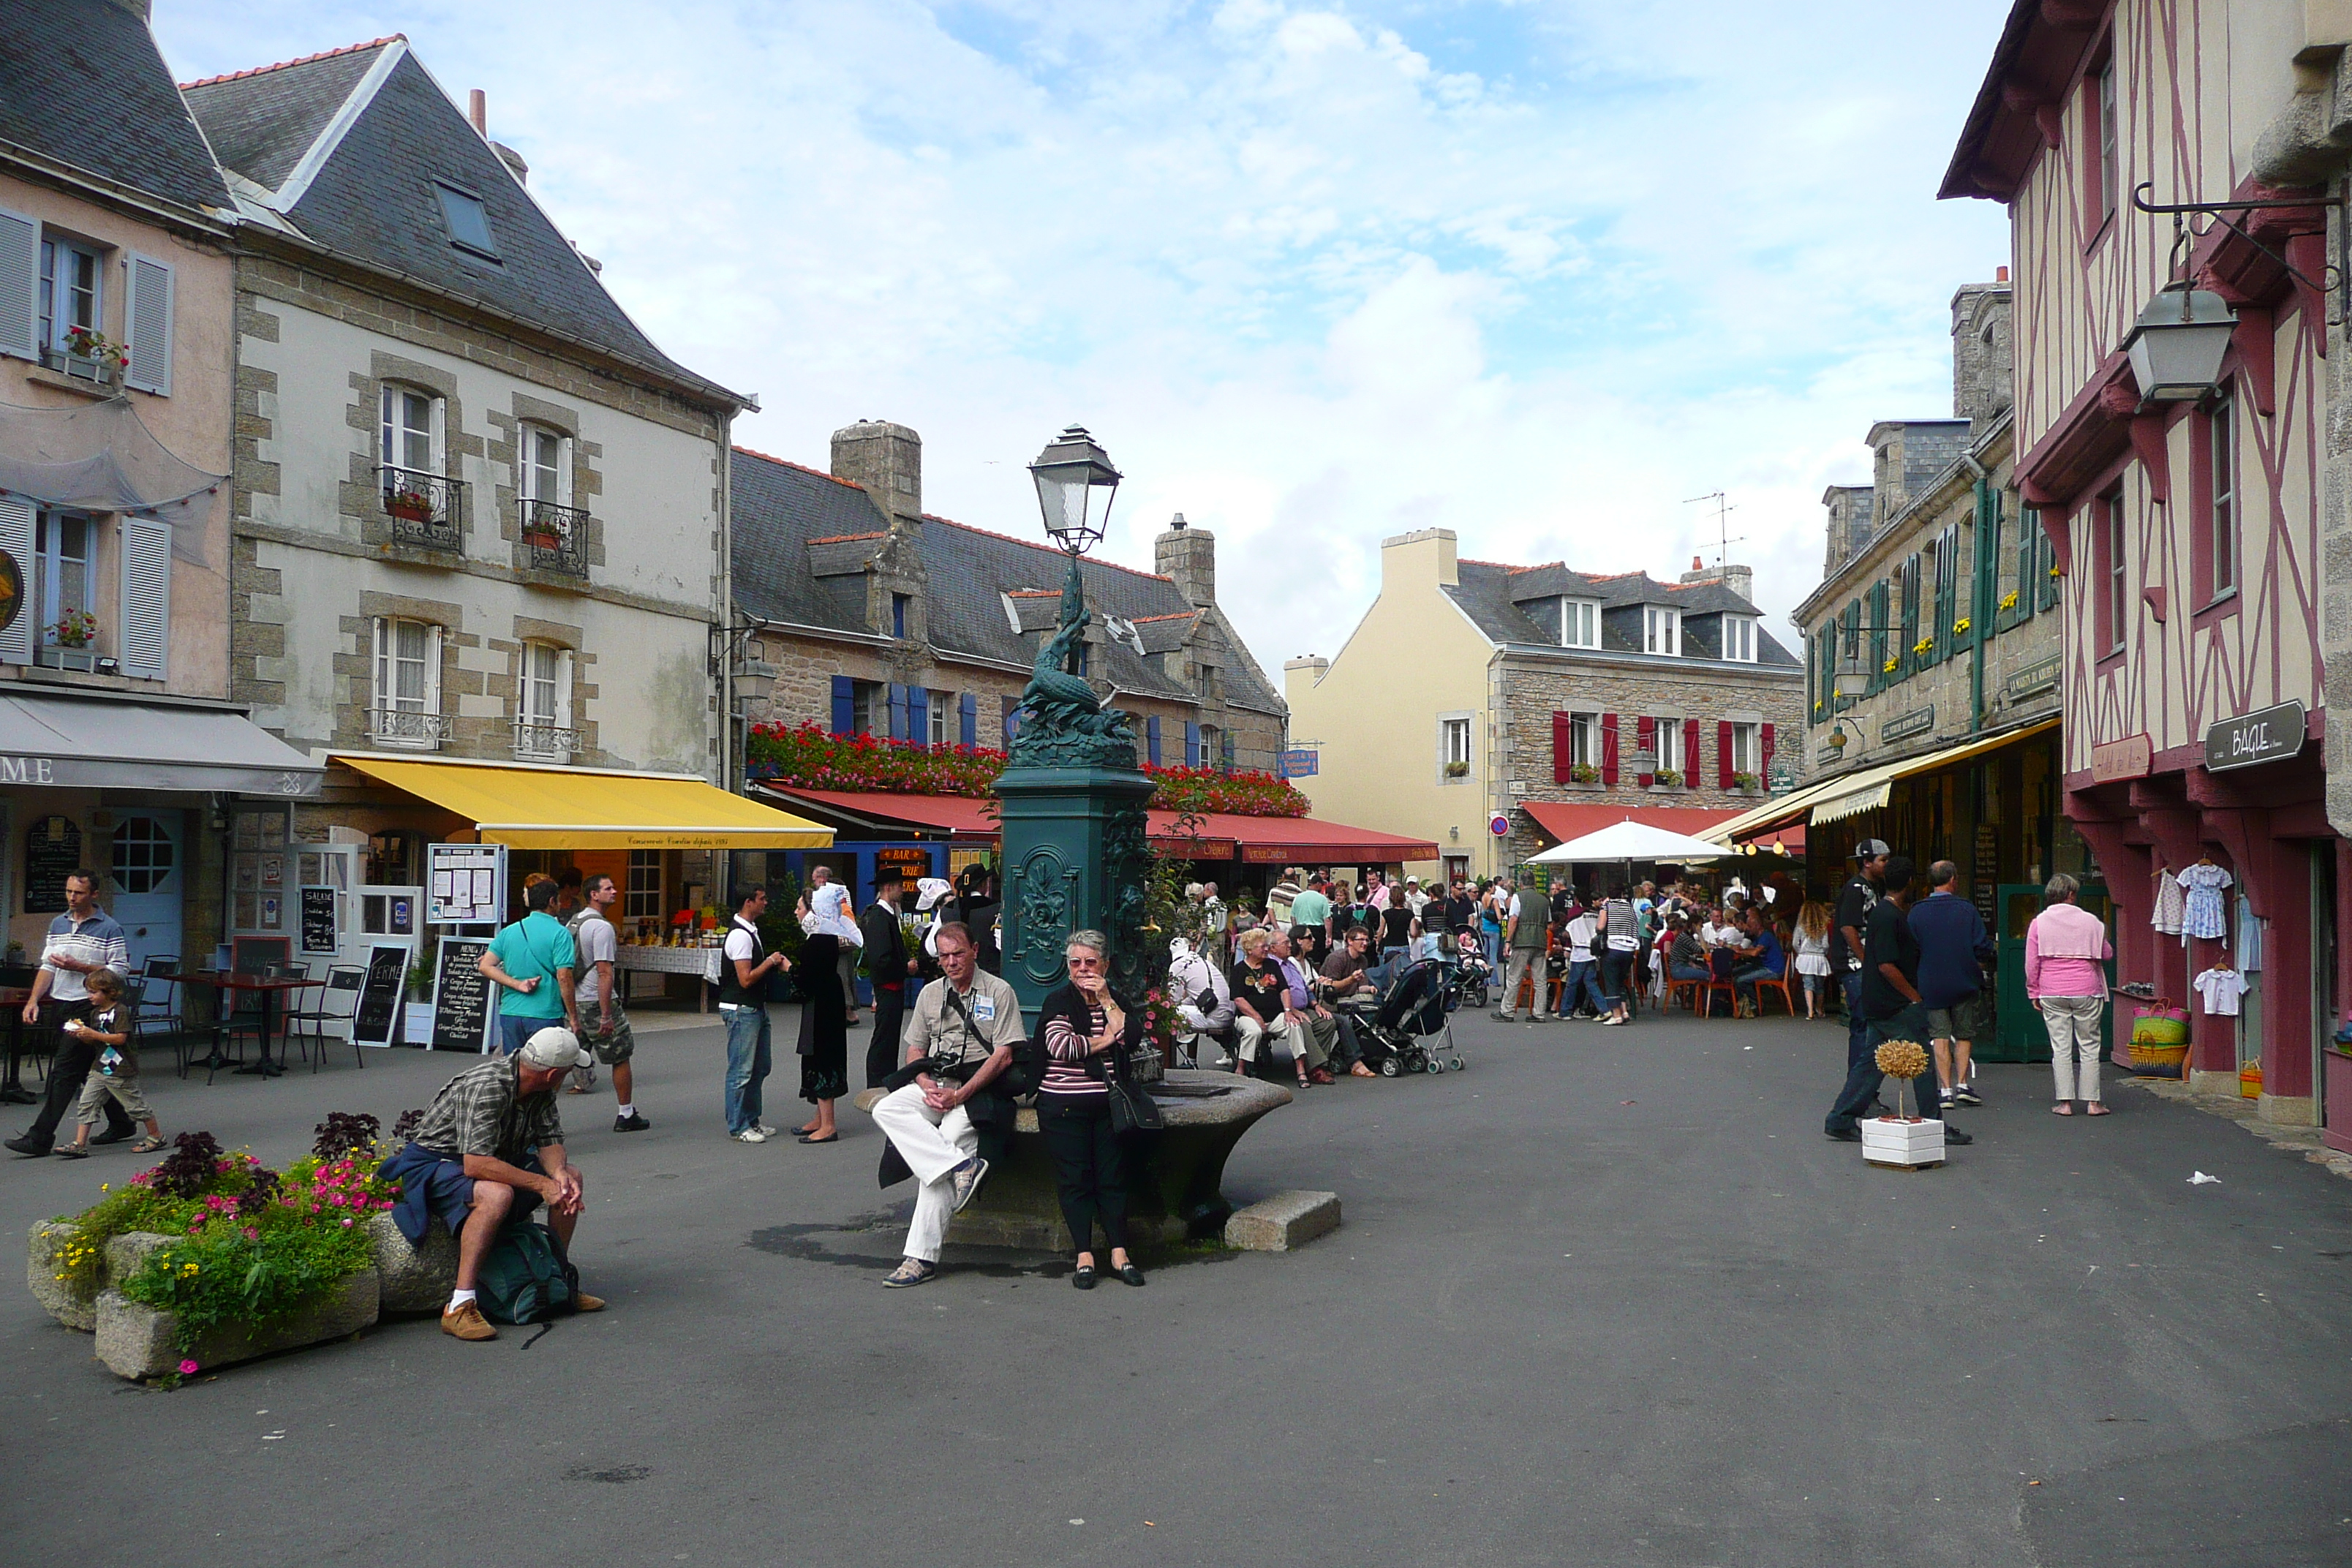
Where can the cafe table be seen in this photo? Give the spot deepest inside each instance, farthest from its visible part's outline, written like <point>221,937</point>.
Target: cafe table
<point>266,988</point>
<point>12,1090</point>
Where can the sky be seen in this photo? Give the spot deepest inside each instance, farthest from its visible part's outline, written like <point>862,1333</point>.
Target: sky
<point>1315,274</point>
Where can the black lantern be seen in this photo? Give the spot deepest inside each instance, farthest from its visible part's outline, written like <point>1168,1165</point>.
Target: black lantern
<point>2176,346</point>
<point>1069,472</point>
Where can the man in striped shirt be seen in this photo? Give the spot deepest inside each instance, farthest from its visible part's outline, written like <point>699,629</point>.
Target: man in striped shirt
<point>83,939</point>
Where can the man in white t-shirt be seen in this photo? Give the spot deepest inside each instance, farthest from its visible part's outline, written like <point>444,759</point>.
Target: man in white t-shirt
<point>837,915</point>
<point>744,967</point>
<point>603,1022</point>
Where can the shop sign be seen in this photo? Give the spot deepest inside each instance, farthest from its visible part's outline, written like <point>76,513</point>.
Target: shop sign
<point>12,590</point>
<point>1297,764</point>
<point>2128,758</point>
<point>1780,778</point>
<point>2272,736</point>
<point>1903,726</point>
<point>912,864</point>
<point>2032,678</point>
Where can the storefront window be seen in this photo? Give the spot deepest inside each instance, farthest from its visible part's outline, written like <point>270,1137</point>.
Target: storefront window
<point>644,894</point>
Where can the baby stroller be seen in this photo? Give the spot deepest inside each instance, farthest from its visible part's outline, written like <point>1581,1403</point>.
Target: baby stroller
<point>1407,1030</point>
<point>1469,978</point>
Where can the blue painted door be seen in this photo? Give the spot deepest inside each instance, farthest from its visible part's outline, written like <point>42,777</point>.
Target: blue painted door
<point>149,874</point>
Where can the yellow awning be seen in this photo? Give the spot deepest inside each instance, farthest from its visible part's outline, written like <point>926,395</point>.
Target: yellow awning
<point>572,808</point>
<point>1852,797</point>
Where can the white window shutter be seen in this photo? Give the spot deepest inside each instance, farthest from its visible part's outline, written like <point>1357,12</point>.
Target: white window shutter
<point>17,539</point>
<point>563,477</point>
<point>380,697</point>
<point>147,332</point>
<point>432,657</point>
<point>440,435</point>
<point>563,689</point>
<point>20,285</point>
<point>146,636</point>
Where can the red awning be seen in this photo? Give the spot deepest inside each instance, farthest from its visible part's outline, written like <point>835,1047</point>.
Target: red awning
<point>961,818</point>
<point>1309,841</point>
<point>1564,821</point>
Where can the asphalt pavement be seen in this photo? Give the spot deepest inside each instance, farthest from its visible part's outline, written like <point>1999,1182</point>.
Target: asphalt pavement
<point>1609,1297</point>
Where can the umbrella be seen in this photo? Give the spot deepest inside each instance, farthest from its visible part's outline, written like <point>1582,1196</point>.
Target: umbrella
<point>1628,841</point>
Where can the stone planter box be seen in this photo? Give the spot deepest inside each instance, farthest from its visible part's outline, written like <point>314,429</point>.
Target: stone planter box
<point>415,1280</point>
<point>74,1302</point>
<point>137,1342</point>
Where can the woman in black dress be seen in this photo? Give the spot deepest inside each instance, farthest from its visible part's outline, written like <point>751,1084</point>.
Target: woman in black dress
<point>825,1036</point>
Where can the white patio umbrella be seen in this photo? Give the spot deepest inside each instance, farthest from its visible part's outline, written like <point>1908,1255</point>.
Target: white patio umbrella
<point>1628,841</point>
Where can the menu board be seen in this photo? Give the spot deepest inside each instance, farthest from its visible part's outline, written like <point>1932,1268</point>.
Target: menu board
<point>52,849</point>
<point>461,997</point>
<point>379,1008</point>
<point>464,884</point>
<point>319,925</point>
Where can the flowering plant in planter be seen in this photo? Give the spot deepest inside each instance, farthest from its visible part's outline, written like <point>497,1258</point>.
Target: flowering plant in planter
<point>409,504</point>
<point>1670,777</point>
<point>1584,773</point>
<point>1160,1020</point>
<point>1924,647</point>
<point>1743,781</point>
<point>1960,626</point>
<point>1457,768</point>
<point>77,628</point>
<point>90,344</point>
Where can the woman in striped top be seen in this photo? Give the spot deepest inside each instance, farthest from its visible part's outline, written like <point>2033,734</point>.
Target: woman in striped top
<point>1081,1024</point>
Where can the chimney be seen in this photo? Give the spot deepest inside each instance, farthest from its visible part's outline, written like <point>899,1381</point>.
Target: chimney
<point>138,9</point>
<point>1982,364</point>
<point>1188,556</point>
<point>887,459</point>
<point>1299,675</point>
<point>477,110</point>
<point>515,165</point>
<point>1740,580</point>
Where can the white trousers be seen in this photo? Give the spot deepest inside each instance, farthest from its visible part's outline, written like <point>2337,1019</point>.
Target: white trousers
<point>933,1143</point>
<point>2073,1024</point>
<point>1254,1034</point>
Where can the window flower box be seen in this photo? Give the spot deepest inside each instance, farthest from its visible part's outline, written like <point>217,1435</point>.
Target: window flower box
<point>1744,781</point>
<point>1667,778</point>
<point>1583,773</point>
<point>409,506</point>
<point>1457,770</point>
<point>78,628</point>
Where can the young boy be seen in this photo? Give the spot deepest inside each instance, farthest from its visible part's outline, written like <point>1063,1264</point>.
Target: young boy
<point>115,1073</point>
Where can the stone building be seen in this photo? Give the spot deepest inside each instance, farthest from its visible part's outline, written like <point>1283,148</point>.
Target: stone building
<point>122,748</point>
<point>479,520</point>
<point>879,618</point>
<point>1553,700</point>
<point>1937,601</point>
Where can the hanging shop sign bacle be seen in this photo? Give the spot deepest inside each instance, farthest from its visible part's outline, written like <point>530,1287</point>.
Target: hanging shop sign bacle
<point>2270,736</point>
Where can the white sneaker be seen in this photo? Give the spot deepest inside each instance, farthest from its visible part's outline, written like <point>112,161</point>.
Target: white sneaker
<point>766,1131</point>
<point>750,1135</point>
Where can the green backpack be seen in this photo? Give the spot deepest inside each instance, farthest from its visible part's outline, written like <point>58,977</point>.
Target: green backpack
<point>526,1278</point>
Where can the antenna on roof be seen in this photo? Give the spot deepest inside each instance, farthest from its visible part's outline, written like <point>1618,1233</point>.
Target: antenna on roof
<point>1724,541</point>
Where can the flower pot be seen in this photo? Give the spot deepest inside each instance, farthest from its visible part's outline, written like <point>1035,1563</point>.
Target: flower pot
<point>409,510</point>
<point>1902,1145</point>
<point>543,541</point>
<point>138,1341</point>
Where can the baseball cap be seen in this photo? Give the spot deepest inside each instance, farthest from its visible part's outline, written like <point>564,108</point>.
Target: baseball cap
<point>1870,849</point>
<point>555,1047</point>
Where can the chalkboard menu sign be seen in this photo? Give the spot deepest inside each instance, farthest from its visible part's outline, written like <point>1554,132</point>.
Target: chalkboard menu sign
<point>379,1008</point>
<point>461,995</point>
<point>52,849</point>
<point>319,924</point>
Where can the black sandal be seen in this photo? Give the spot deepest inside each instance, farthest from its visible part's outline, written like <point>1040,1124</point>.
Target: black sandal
<point>1084,1277</point>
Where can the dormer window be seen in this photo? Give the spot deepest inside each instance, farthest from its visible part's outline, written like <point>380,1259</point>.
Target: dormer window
<point>1579,623</point>
<point>1661,630</point>
<point>1739,639</point>
<point>468,221</point>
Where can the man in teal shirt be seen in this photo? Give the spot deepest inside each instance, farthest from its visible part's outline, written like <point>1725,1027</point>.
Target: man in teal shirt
<point>1311,908</point>
<point>534,961</point>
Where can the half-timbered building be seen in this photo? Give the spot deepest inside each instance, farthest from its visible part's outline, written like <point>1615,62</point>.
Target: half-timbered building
<point>2183,511</point>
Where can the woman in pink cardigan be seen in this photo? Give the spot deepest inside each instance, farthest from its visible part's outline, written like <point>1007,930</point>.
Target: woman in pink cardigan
<point>2066,950</point>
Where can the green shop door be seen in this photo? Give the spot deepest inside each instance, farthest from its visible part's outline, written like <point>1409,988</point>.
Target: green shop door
<point>2018,1035</point>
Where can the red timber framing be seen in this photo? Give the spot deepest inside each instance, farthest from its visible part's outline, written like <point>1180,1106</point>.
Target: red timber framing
<point>2159,647</point>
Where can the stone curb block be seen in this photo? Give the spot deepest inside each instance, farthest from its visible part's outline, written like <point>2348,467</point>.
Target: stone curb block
<point>416,1279</point>
<point>137,1342</point>
<point>1284,1222</point>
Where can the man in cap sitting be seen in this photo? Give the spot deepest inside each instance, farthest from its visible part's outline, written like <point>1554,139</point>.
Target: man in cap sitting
<point>488,1152</point>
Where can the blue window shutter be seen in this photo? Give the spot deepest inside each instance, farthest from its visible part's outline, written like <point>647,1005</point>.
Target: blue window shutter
<point>919,715</point>
<point>845,706</point>
<point>897,699</point>
<point>1152,739</point>
<point>1192,744</point>
<point>970,714</point>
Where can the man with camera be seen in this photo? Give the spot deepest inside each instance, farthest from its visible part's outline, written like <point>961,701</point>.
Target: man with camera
<point>960,1037</point>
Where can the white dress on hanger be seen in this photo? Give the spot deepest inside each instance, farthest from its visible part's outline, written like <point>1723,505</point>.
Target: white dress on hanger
<point>2170,905</point>
<point>2204,917</point>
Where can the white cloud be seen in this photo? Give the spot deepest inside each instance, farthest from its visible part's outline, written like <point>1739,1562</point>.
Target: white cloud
<point>1316,273</point>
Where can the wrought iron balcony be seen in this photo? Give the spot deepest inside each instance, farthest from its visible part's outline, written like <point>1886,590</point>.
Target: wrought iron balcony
<point>408,729</point>
<point>425,509</point>
<point>545,742</point>
<point>556,537</point>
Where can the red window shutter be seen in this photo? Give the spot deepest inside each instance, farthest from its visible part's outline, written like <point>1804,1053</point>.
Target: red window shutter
<point>1690,753</point>
<point>1723,750</point>
<point>1647,729</point>
<point>1563,746</point>
<point>1608,747</point>
<point>1764,751</point>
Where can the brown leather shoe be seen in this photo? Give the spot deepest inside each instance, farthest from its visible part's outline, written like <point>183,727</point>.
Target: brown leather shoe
<point>583,1302</point>
<point>467,1323</point>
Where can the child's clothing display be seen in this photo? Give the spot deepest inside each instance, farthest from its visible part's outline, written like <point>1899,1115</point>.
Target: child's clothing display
<point>2204,917</point>
<point>2170,903</point>
<point>2221,989</point>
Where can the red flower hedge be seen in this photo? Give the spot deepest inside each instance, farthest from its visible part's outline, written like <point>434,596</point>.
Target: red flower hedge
<point>811,757</point>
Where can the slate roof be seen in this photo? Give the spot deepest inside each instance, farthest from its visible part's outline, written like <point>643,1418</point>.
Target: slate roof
<point>789,522</point>
<point>1494,596</point>
<point>82,83</point>
<point>388,134</point>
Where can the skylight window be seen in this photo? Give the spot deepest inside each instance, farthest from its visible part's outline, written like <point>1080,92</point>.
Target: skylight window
<point>469,225</point>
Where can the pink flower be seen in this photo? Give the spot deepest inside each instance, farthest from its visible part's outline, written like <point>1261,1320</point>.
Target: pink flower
<point>347,1221</point>
<point>189,1366</point>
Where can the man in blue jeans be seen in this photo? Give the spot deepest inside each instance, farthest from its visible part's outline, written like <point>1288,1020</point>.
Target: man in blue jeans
<point>1853,907</point>
<point>743,970</point>
<point>1891,1005</point>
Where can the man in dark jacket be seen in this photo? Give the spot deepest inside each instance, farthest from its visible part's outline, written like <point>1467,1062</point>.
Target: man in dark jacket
<point>1954,948</point>
<point>887,965</point>
<point>1891,1007</point>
